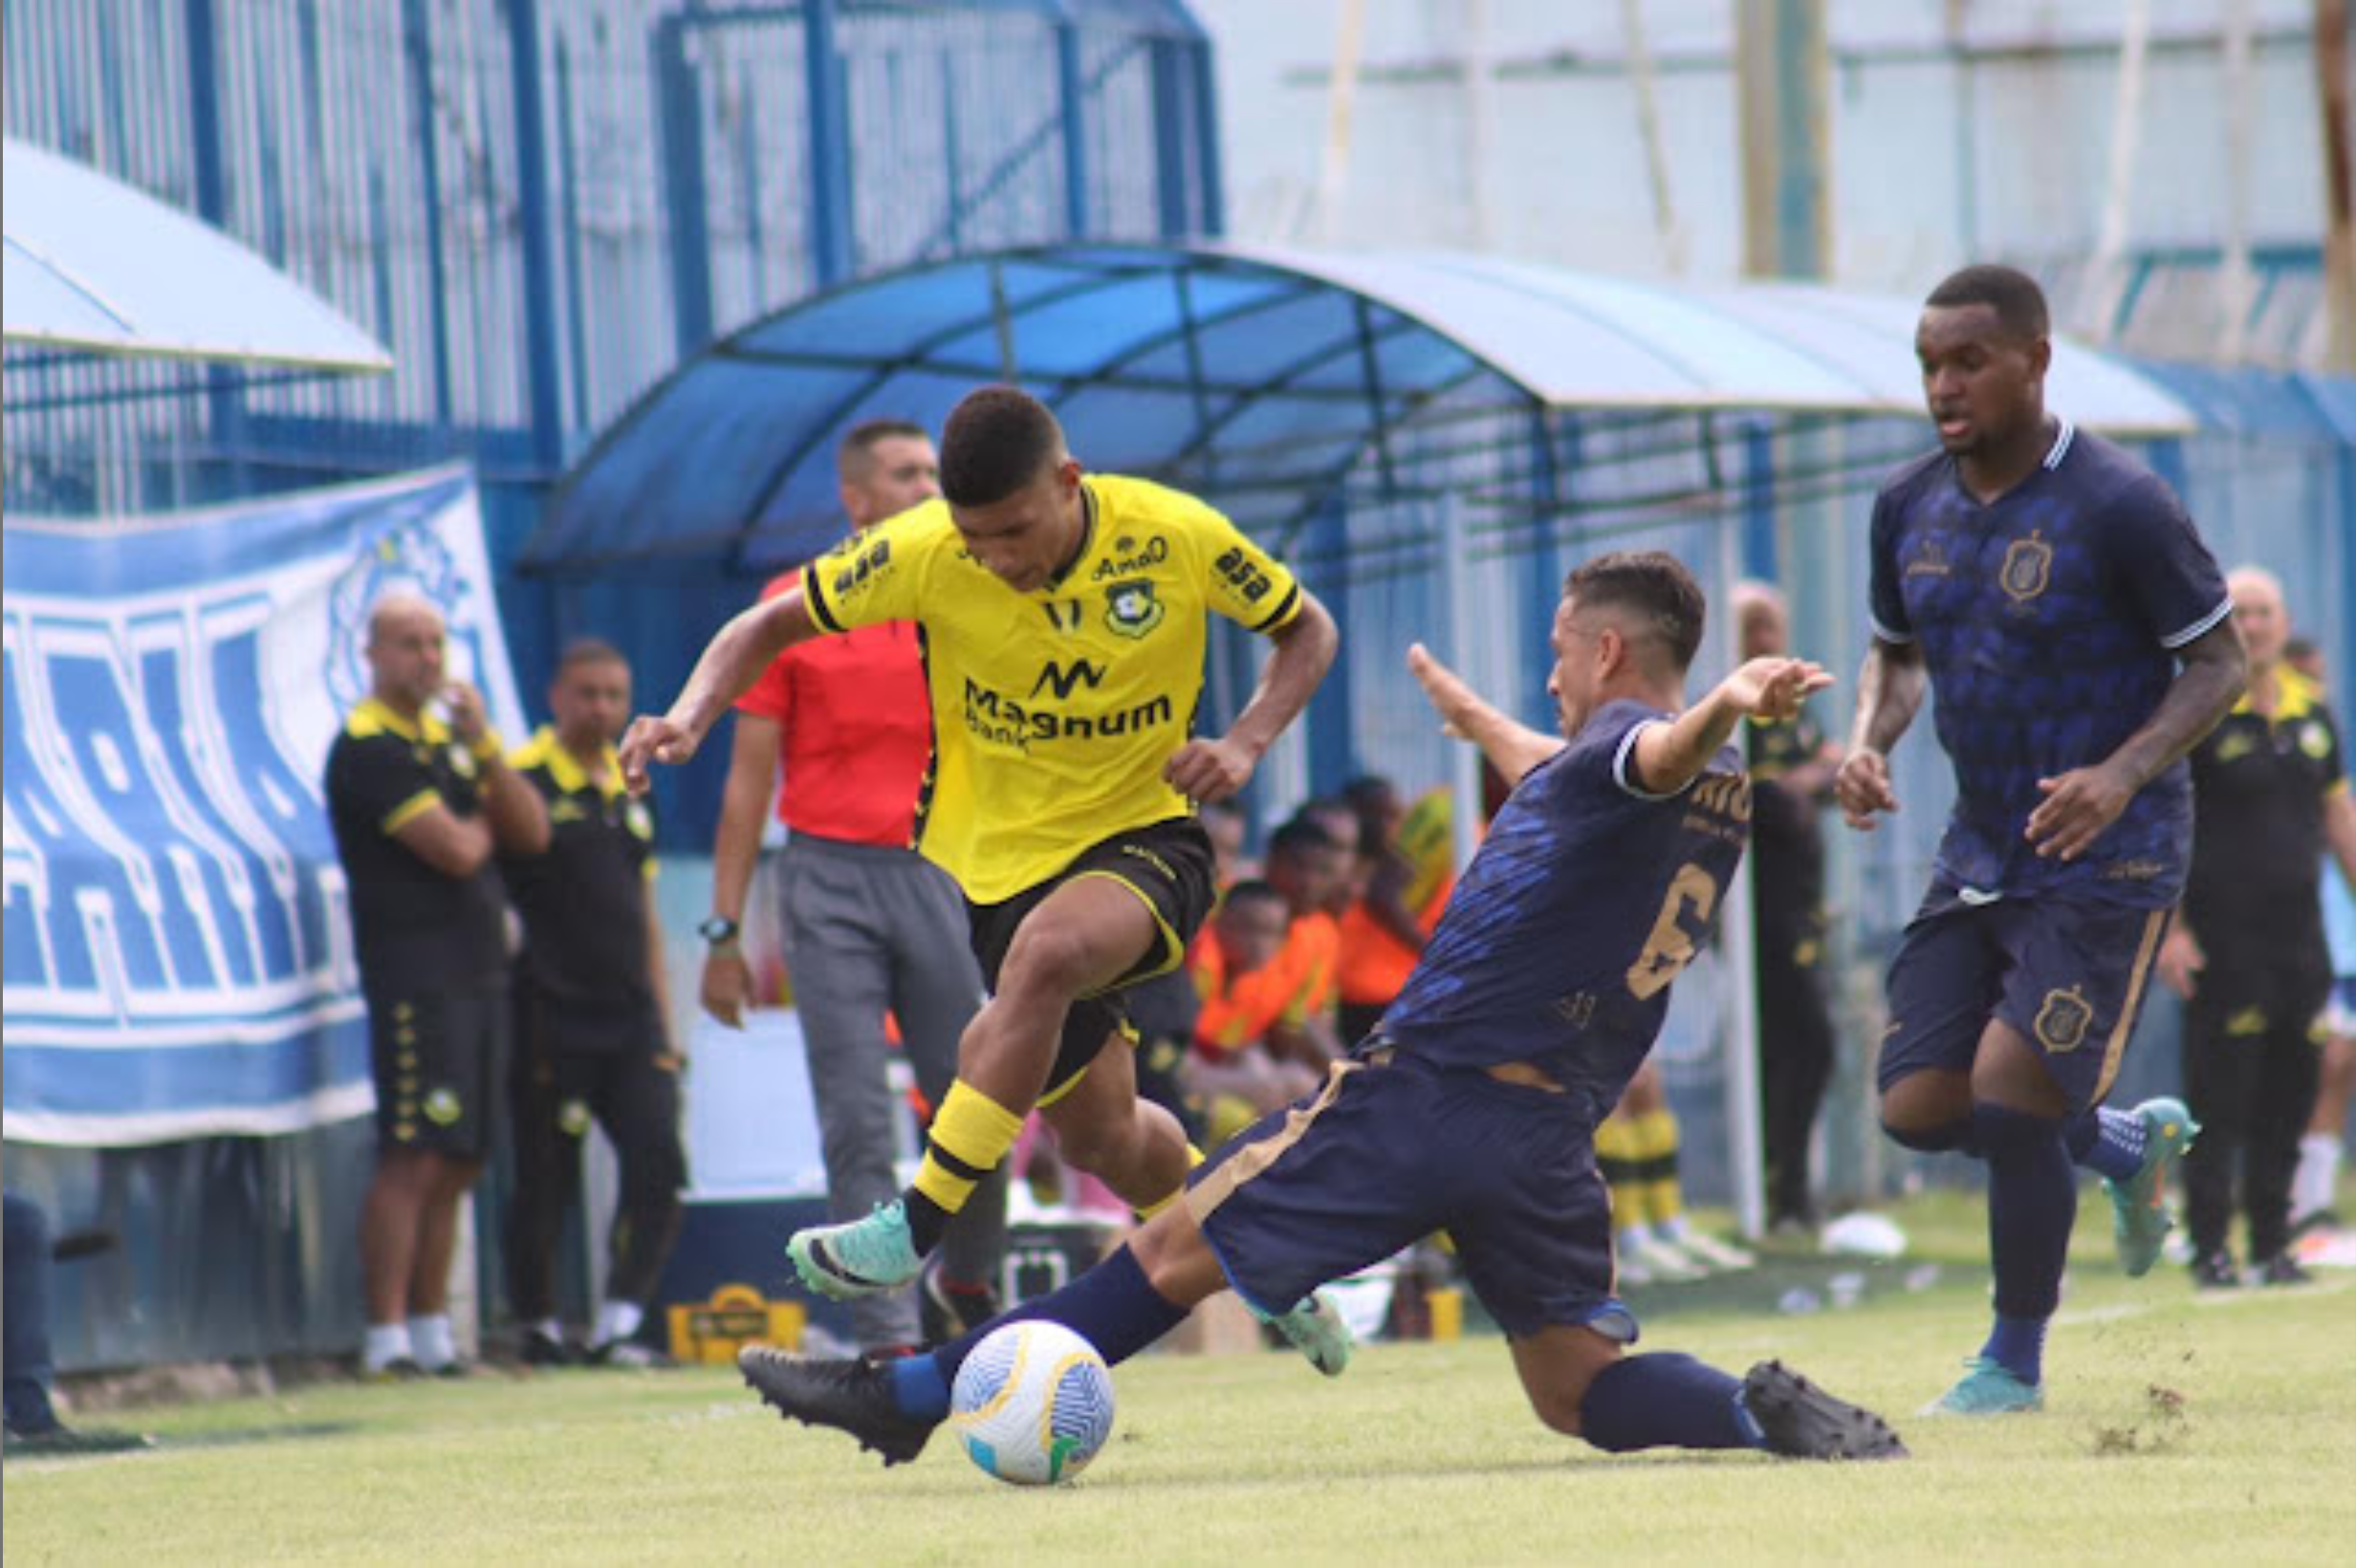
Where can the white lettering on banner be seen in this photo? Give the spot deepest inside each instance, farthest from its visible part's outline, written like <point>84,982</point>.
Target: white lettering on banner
<point>167,874</point>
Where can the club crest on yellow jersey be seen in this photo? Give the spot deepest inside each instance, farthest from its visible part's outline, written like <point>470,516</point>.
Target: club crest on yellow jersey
<point>1130,607</point>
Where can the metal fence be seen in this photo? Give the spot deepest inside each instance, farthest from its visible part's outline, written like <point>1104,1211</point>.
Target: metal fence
<point>540,206</point>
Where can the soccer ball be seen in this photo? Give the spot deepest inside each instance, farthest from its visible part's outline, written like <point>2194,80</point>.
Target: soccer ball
<point>1032,1404</point>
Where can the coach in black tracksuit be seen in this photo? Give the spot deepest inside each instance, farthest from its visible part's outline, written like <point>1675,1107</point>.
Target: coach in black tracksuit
<point>2248,952</point>
<point>590,1017</point>
<point>1791,771</point>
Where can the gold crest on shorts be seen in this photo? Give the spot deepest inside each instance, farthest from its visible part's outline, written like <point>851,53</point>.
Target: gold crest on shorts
<point>2062,1022</point>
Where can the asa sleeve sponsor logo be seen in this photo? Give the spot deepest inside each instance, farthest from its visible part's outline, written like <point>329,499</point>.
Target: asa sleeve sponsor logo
<point>856,565</point>
<point>1244,574</point>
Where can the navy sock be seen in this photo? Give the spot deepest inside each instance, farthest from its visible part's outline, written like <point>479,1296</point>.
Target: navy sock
<point>1666,1400</point>
<point>2018,1345</point>
<point>2032,1203</point>
<point>2108,1142</point>
<point>1113,1306</point>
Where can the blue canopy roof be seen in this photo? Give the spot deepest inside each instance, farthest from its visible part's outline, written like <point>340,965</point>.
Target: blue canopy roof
<point>92,264</point>
<point>1255,377</point>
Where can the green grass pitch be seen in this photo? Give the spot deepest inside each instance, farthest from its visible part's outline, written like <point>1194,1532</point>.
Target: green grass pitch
<point>2177,1429</point>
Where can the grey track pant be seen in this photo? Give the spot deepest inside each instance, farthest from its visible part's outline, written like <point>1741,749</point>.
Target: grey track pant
<point>868,930</point>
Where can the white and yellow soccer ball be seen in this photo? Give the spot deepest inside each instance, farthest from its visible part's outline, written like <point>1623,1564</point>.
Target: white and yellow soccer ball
<point>1032,1404</point>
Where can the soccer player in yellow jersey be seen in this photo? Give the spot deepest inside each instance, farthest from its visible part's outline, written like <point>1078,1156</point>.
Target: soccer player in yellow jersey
<point>1063,618</point>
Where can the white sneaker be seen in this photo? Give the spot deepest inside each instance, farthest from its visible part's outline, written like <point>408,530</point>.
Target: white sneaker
<point>1668,1262</point>
<point>1712,1253</point>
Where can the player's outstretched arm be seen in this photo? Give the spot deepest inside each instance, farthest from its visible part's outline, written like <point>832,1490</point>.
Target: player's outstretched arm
<point>745,803</point>
<point>1669,756</point>
<point>1889,693</point>
<point>1204,770</point>
<point>1513,747</point>
<point>2082,803</point>
<point>743,649</point>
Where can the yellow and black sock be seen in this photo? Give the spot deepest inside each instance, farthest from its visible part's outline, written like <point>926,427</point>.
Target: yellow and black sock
<point>1194,1157</point>
<point>1660,1192</point>
<point>971,1135</point>
<point>1615,1158</point>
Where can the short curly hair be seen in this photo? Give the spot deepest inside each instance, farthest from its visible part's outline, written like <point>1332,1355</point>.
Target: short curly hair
<point>997,441</point>
<point>2011,293</point>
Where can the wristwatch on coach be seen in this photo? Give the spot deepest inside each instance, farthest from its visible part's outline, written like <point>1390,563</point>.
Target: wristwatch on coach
<point>718,931</point>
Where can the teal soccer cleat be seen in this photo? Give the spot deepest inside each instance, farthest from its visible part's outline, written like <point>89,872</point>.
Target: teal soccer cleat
<point>2139,1204</point>
<point>862,1257</point>
<point>1314,1328</point>
<point>1988,1389</point>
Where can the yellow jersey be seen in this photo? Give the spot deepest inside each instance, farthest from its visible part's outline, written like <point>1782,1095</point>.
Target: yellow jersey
<point>1053,711</point>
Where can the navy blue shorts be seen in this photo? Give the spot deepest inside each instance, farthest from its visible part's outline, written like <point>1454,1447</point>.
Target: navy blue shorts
<point>1385,1155</point>
<point>2069,973</point>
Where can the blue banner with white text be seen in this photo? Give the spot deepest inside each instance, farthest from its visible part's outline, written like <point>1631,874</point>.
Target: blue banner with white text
<point>177,949</point>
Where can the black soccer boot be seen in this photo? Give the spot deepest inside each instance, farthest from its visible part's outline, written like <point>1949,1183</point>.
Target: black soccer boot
<point>2282,1268</point>
<point>853,1396</point>
<point>1803,1421</point>
<point>946,1309</point>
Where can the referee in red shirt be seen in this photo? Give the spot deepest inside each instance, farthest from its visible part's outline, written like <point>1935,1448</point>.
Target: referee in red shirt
<point>870,926</point>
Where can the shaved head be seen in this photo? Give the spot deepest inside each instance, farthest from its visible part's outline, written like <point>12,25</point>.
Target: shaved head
<point>2259,613</point>
<point>1762,620</point>
<point>405,648</point>
<point>2254,579</point>
<point>399,608</point>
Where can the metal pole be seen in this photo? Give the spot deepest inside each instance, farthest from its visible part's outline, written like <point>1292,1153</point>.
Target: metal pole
<point>1738,994</point>
<point>1481,105</point>
<point>832,236</point>
<point>2235,282</point>
<point>1464,761</point>
<point>1334,168</point>
<point>416,37</point>
<point>531,217</point>
<point>1074,96</point>
<point>1782,80</point>
<point>2331,66</point>
<point>1645,83</point>
<point>2126,112</point>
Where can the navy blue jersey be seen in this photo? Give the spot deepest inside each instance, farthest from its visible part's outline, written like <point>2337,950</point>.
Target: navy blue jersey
<point>2048,621</point>
<point>1587,899</point>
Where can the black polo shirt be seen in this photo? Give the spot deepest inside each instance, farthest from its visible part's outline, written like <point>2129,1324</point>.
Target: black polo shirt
<point>2258,787</point>
<point>584,900</point>
<point>1787,844</point>
<point>416,927</point>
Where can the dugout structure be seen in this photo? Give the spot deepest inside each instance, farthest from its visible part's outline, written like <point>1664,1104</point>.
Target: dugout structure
<point>1433,440</point>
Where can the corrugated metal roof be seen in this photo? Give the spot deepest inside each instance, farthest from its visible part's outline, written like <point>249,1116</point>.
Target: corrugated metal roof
<point>1266,373</point>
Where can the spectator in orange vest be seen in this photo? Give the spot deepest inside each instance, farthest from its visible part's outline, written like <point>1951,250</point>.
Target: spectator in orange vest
<point>1407,863</point>
<point>1255,985</point>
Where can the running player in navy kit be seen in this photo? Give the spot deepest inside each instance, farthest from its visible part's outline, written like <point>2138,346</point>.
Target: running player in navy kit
<point>2081,641</point>
<point>1473,1105</point>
